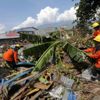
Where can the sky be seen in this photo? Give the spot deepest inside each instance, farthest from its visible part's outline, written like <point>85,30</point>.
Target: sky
<point>15,14</point>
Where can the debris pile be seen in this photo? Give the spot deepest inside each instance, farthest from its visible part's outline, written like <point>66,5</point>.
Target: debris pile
<point>54,83</point>
<point>57,74</point>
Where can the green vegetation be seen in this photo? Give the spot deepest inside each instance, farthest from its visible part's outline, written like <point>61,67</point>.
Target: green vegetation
<point>86,13</point>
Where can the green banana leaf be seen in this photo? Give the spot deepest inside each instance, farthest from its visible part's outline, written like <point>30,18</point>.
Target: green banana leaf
<point>45,57</point>
<point>75,53</point>
<point>37,49</point>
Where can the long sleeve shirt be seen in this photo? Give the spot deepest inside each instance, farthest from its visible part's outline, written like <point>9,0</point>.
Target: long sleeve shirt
<point>95,55</point>
<point>96,33</point>
<point>11,55</point>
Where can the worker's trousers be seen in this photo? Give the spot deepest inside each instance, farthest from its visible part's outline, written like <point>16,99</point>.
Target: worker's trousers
<point>12,64</point>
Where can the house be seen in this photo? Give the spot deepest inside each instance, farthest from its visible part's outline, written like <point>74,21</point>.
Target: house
<point>9,36</point>
<point>27,30</point>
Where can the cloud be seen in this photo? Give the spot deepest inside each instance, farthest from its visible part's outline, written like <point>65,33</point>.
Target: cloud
<point>48,15</point>
<point>67,15</point>
<point>2,28</point>
<point>28,22</point>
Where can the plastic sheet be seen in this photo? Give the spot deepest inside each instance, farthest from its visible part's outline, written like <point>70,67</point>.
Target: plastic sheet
<point>24,64</point>
<point>57,92</point>
<point>67,82</point>
<point>87,74</point>
<point>71,95</point>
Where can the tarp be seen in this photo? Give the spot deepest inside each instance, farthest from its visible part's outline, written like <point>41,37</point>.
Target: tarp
<point>25,64</point>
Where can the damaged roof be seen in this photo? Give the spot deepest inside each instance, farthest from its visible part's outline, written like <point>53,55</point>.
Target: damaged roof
<point>9,35</point>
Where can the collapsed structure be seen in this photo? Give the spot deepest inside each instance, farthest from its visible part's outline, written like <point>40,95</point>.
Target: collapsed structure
<point>54,74</point>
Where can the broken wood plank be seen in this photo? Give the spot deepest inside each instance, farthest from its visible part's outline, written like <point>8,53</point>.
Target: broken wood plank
<point>18,93</point>
<point>22,95</point>
<point>28,77</point>
<point>36,95</point>
<point>17,73</point>
<point>40,85</point>
<point>32,91</point>
<point>27,85</point>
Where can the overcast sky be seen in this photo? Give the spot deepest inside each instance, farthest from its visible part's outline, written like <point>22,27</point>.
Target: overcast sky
<point>15,14</point>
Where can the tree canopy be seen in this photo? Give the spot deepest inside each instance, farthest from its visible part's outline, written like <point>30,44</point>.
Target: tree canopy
<point>86,12</point>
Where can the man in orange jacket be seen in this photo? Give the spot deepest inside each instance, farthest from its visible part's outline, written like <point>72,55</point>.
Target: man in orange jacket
<point>95,54</point>
<point>11,56</point>
<point>96,27</point>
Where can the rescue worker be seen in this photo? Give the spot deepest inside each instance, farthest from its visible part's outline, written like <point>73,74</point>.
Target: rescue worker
<point>95,54</point>
<point>96,27</point>
<point>11,56</point>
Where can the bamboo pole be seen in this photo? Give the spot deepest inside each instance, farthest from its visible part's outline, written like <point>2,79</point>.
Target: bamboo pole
<point>17,73</point>
<point>21,80</point>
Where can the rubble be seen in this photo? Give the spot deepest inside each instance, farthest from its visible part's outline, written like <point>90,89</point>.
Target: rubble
<point>54,82</point>
<point>49,87</point>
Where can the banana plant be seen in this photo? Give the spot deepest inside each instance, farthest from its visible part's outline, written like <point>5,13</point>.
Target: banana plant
<point>45,57</point>
<point>37,49</point>
<point>34,38</point>
<point>49,49</point>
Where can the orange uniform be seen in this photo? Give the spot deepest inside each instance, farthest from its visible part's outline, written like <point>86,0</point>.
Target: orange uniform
<point>11,55</point>
<point>95,54</point>
<point>89,50</point>
<point>96,33</point>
